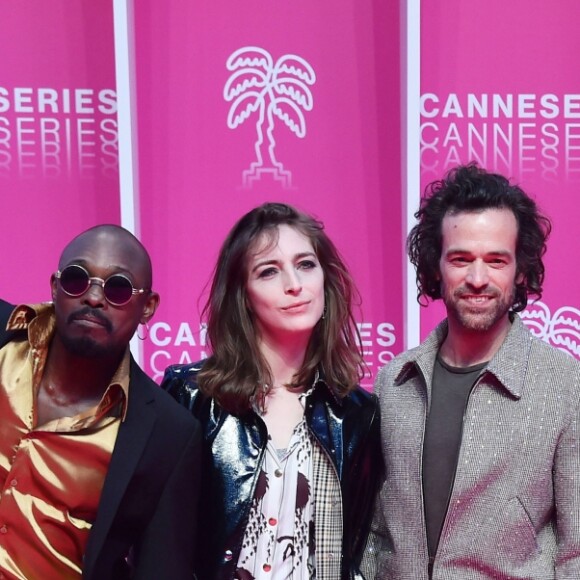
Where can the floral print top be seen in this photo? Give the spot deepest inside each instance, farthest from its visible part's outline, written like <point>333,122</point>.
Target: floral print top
<point>279,538</point>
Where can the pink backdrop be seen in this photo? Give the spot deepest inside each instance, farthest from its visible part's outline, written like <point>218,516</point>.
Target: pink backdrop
<point>58,136</point>
<point>500,86</point>
<point>331,148</point>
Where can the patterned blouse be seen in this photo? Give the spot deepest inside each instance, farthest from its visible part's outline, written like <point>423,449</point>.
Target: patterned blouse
<point>279,538</point>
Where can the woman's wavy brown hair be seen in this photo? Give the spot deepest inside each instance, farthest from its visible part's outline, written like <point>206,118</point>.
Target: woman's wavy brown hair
<point>236,372</point>
<point>471,189</point>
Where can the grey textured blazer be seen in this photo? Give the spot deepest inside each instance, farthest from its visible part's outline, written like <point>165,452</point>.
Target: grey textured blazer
<point>514,511</point>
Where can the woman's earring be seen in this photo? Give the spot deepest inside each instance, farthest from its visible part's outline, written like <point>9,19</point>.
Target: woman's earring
<point>146,327</point>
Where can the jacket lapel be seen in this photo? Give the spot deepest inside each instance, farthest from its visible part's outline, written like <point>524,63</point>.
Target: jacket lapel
<point>131,440</point>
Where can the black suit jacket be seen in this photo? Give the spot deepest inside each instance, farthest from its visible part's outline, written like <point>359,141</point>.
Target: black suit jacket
<point>146,520</point>
<point>5,311</point>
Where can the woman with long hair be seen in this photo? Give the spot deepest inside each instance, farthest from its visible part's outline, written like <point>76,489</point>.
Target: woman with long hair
<point>292,456</point>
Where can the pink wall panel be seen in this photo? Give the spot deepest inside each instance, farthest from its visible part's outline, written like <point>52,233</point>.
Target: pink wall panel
<point>500,85</point>
<point>507,96</point>
<point>58,135</point>
<point>332,149</point>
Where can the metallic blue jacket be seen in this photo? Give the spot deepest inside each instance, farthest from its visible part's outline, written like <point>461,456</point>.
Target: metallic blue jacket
<point>347,429</point>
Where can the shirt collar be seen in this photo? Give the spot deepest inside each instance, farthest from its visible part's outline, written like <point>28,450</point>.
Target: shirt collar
<point>39,321</point>
<point>506,364</point>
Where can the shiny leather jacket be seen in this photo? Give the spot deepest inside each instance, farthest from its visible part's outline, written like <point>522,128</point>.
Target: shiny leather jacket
<point>348,431</point>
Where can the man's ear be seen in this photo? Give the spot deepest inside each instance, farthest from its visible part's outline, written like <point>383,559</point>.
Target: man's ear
<point>53,287</point>
<point>150,307</point>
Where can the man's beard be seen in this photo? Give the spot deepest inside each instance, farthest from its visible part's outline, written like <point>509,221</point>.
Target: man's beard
<point>84,346</point>
<point>473,318</point>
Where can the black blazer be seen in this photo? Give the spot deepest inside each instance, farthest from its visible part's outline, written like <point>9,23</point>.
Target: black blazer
<point>148,507</point>
<point>5,311</point>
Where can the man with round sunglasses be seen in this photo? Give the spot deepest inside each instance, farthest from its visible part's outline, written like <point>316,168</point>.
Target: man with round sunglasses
<point>117,288</point>
<point>98,466</point>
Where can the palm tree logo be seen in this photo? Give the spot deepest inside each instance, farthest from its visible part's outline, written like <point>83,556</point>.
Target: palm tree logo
<point>277,90</point>
<point>561,329</point>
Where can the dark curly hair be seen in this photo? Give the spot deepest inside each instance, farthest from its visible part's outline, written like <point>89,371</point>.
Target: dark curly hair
<point>237,368</point>
<point>470,188</point>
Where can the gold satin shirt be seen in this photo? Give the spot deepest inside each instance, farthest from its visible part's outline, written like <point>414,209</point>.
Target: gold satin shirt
<point>52,475</point>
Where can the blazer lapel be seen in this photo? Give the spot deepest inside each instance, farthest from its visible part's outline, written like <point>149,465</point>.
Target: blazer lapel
<point>131,440</point>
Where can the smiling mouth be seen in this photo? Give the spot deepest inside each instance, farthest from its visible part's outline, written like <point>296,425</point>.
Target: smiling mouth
<point>477,302</point>
<point>477,299</point>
